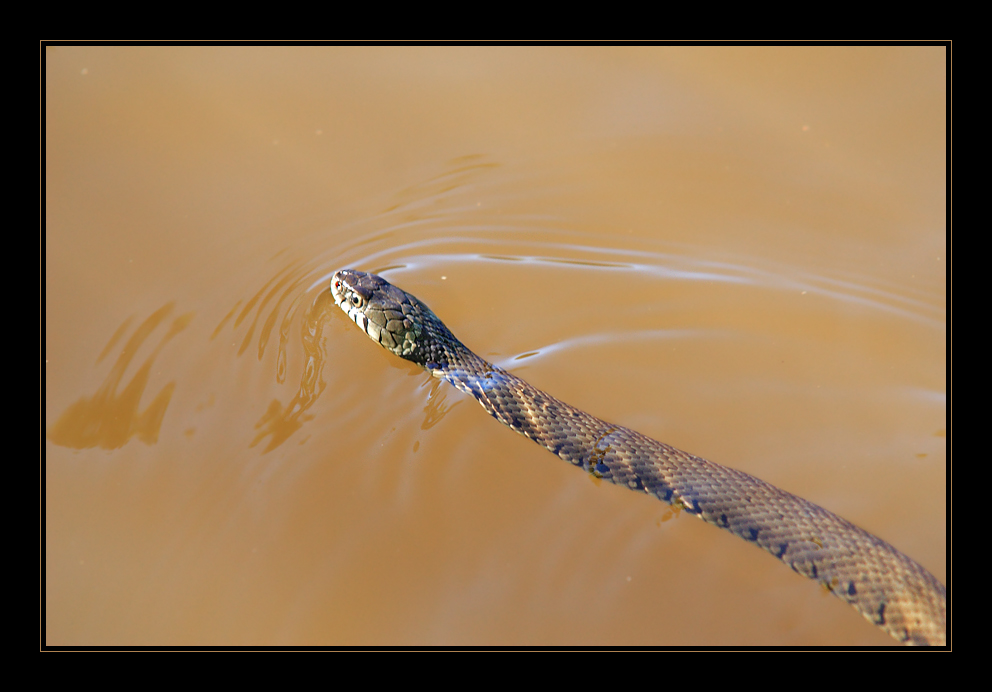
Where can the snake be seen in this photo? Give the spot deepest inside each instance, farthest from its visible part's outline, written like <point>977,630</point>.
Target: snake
<point>888,588</point>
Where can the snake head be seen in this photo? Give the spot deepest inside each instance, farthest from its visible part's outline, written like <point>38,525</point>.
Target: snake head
<point>388,315</point>
<point>401,323</point>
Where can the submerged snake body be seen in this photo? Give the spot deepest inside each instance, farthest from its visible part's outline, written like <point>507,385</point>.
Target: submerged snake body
<point>885,586</point>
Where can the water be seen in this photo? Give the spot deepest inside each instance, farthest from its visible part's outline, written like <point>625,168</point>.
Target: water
<point>740,252</point>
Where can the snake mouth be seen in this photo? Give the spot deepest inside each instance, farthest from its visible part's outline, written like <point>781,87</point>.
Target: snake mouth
<point>339,289</point>
<point>343,290</point>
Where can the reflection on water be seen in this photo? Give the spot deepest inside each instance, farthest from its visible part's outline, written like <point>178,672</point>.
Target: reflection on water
<point>281,421</point>
<point>110,418</point>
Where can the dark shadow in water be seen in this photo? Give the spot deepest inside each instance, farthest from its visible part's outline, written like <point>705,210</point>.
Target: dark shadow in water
<point>110,417</point>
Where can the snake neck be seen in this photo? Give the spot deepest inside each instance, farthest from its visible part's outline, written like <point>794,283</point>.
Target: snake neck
<point>451,360</point>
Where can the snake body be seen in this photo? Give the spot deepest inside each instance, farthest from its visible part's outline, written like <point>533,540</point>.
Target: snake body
<point>884,585</point>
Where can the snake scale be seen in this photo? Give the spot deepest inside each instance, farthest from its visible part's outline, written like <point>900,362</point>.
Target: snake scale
<point>886,587</point>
